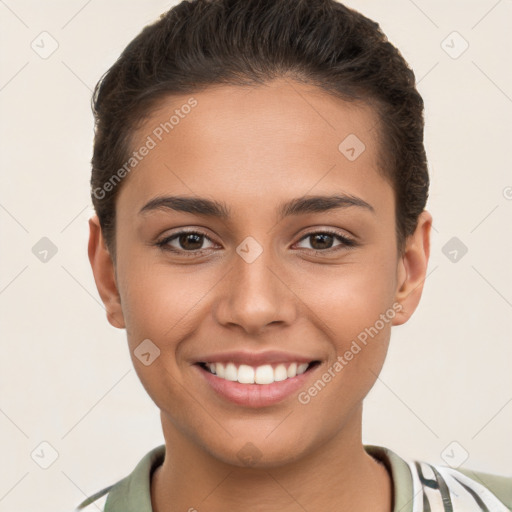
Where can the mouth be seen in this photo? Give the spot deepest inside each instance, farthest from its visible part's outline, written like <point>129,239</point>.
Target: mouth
<point>263,375</point>
<point>255,386</point>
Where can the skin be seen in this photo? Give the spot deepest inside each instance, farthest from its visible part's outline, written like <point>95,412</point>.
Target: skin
<point>253,149</point>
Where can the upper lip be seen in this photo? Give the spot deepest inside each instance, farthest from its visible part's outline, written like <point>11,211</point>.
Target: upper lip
<point>256,358</point>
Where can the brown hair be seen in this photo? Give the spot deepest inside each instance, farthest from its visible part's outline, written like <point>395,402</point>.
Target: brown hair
<point>199,43</point>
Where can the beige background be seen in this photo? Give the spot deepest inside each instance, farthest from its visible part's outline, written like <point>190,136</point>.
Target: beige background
<point>66,376</point>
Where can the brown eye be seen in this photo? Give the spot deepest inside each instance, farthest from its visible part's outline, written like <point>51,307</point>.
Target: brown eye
<point>324,241</point>
<point>190,241</point>
<point>321,241</point>
<point>184,242</point>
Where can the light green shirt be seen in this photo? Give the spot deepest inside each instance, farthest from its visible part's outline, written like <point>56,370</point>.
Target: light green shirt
<point>417,487</point>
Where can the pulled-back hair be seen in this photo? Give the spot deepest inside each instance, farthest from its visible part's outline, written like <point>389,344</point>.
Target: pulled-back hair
<point>199,43</point>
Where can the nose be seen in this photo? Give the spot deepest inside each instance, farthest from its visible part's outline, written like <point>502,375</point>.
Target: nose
<point>255,295</point>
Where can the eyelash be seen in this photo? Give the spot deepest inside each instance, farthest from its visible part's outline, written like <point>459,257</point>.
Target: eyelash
<point>345,242</point>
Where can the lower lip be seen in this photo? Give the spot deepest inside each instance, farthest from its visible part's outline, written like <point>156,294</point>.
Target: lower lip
<point>255,395</point>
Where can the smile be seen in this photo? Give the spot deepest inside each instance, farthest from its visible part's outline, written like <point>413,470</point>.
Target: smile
<point>255,386</point>
<point>264,374</point>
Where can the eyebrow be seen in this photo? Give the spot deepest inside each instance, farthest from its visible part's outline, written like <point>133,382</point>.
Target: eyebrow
<point>298,206</point>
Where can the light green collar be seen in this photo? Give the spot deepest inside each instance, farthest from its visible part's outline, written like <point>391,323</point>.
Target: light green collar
<point>133,493</point>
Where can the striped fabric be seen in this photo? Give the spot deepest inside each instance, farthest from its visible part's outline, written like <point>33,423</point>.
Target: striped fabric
<point>443,489</point>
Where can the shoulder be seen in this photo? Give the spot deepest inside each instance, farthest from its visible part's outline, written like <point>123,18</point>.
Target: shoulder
<point>131,493</point>
<point>419,486</point>
<point>499,485</point>
<point>96,502</point>
<point>464,488</point>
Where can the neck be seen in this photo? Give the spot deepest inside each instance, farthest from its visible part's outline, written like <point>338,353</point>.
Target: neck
<point>337,475</point>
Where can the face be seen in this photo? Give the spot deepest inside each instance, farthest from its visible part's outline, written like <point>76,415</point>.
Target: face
<point>252,266</point>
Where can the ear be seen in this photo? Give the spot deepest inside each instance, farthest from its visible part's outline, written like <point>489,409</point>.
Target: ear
<point>104,274</point>
<point>412,269</point>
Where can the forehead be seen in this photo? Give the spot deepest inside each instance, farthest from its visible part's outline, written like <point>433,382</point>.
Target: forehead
<point>236,140</point>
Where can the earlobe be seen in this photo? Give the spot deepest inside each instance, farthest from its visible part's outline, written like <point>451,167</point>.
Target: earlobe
<point>104,274</point>
<point>412,269</point>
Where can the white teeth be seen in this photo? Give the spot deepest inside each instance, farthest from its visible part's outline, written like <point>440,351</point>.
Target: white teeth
<point>280,373</point>
<point>301,368</point>
<point>219,370</point>
<point>264,374</point>
<point>231,372</point>
<point>245,374</point>
<point>292,370</point>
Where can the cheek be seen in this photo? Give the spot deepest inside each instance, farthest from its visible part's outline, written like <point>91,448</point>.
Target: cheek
<point>160,303</point>
<point>354,311</point>
<point>349,299</point>
<point>353,307</point>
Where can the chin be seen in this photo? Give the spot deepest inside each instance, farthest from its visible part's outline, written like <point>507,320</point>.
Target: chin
<point>257,451</point>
